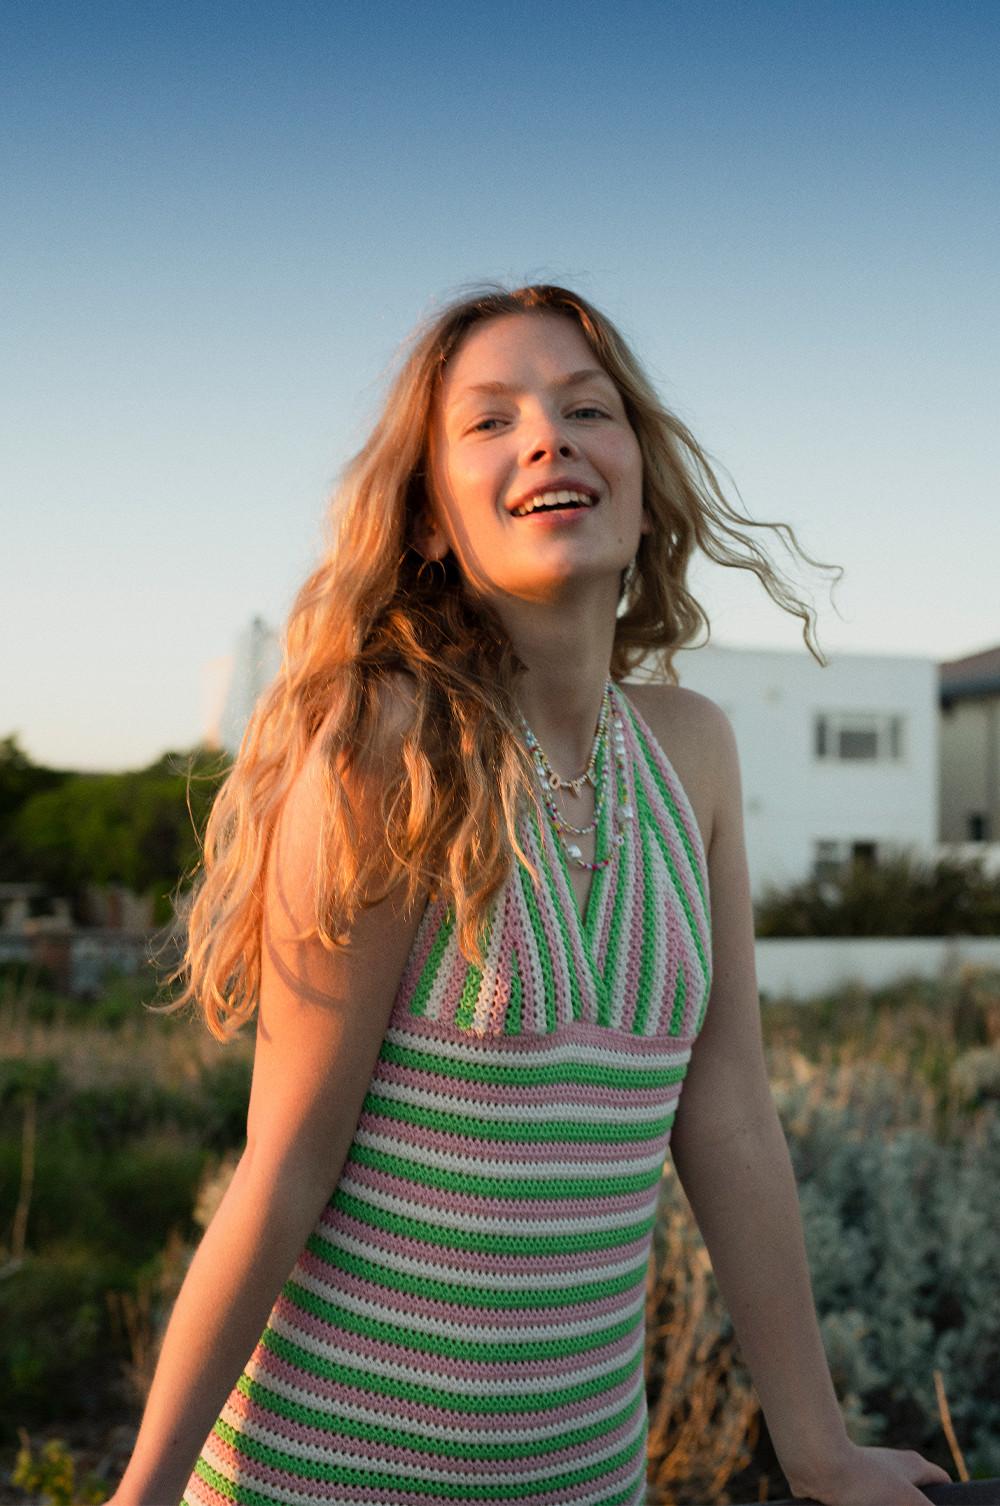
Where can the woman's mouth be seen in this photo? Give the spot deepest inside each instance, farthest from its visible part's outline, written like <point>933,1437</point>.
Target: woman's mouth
<point>558,502</point>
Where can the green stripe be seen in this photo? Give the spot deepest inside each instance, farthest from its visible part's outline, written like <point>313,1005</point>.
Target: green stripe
<point>364,1475</point>
<point>488,1351</point>
<point>654,768</point>
<point>465,1012</point>
<point>612,962</point>
<point>502,1187</point>
<point>517,1074</point>
<point>421,993</point>
<point>525,1132</point>
<point>462,1293</point>
<point>644,983</point>
<point>395,1437</point>
<point>489,1240</point>
<point>476,1404</point>
<point>541,940</point>
<point>678,884</point>
<point>680,998</point>
<point>574,987</point>
<point>249,1497</point>
<point>513,1022</point>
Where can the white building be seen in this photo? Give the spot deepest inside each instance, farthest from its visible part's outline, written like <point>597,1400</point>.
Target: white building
<point>970,748</point>
<point>837,762</point>
<point>256,660</point>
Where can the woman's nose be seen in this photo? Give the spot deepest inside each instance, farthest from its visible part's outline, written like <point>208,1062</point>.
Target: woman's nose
<point>547,438</point>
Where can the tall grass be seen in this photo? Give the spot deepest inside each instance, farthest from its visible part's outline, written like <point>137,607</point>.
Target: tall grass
<point>891,1102</point>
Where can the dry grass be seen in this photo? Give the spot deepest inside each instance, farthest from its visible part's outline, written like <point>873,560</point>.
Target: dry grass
<point>172,1053</point>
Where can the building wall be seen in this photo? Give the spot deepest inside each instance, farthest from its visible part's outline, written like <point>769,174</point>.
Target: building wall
<point>970,769</point>
<point>793,798</point>
<point>256,660</point>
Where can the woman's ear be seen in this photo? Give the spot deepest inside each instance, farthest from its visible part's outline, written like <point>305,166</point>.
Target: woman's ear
<point>429,537</point>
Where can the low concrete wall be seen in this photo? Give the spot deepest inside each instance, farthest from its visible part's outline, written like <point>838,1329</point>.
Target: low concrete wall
<point>801,968</point>
<point>959,1493</point>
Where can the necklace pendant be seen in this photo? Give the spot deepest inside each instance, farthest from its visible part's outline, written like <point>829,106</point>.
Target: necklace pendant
<point>554,781</point>
<point>574,851</point>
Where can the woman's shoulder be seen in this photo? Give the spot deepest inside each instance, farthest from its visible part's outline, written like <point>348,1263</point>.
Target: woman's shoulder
<point>696,735</point>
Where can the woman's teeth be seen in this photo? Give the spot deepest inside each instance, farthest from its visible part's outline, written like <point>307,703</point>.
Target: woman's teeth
<point>553,499</point>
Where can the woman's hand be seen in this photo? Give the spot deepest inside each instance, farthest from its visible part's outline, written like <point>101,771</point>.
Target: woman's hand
<point>870,1477</point>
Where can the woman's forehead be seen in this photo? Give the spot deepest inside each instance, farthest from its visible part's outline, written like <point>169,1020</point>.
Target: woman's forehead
<point>498,352</point>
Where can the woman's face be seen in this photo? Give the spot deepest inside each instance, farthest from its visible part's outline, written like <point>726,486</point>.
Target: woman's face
<point>526,415</point>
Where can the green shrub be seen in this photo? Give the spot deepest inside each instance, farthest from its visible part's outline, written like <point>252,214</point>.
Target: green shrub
<point>901,896</point>
<point>50,1476</point>
<point>905,1261</point>
<point>55,1351</point>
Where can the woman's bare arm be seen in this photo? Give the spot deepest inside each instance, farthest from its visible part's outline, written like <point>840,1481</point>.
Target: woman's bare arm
<point>321,1022</point>
<point>732,1159</point>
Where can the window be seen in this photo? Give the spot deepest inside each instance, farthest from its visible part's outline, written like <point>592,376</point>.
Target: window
<point>832,855</point>
<point>858,736</point>
<point>977,825</point>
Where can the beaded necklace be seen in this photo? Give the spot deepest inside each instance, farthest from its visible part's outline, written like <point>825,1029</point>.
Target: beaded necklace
<point>550,781</point>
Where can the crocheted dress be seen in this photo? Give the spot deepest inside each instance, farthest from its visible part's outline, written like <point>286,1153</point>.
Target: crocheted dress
<point>466,1322</point>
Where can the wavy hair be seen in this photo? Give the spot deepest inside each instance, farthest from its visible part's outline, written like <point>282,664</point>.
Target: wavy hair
<point>368,612</point>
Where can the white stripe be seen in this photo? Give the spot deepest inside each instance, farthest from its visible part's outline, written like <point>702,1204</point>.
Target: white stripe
<point>574,1326</point>
<point>577,1372</point>
<point>324,1453</point>
<point>514,1113</point>
<point>496,1219</point>
<point>506,1170</point>
<point>491,974</point>
<point>499,1280</point>
<point>459,1431</point>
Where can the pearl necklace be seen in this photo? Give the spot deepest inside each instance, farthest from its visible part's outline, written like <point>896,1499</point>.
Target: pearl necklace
<point>550,781</point>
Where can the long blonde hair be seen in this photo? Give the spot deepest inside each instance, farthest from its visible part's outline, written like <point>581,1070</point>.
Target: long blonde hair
<point>369,611</point>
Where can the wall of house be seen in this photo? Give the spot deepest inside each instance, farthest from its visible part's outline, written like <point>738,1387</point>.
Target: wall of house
<point>970,769</point>
<point>795,799</point>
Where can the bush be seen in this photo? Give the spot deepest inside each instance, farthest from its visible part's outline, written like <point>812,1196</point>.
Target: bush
<point>55,1356</point>
<point>902,896</point>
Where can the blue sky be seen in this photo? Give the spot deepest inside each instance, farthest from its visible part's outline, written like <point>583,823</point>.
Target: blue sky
<point>222,219</point>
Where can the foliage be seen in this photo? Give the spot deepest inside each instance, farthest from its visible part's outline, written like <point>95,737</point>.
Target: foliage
<point>891,1106</point>
<point>902,896</point>
<point>20,779</point>
<point>72,830</point>
<point>50,1476</point>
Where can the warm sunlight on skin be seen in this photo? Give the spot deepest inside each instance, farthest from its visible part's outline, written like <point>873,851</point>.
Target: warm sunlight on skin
<point>524,407</point>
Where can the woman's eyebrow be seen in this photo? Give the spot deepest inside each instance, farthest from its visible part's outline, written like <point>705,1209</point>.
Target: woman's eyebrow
<point>573,379</point>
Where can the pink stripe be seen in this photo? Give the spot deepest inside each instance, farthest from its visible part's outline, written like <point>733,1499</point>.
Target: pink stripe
<point>507,1214</point>
<point>631,1049</point>
<point>198,1492</point>
<point>364,1451</point>
<point>453,1090</point>
<point>510,1151</point>
<point>423,946</point>
<point>559,1368</point>
<point>406,1411</point>
<point>401,1305</point>
<point>488,1262</point>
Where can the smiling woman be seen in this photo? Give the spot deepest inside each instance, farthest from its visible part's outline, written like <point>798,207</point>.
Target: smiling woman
<point>491,910</point>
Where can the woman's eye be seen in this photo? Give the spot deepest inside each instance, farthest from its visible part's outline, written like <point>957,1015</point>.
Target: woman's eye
<point>589,411</point>
<point>483,424</point>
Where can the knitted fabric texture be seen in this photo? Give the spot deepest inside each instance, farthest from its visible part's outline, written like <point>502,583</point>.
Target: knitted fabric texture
<point>467,1320</point>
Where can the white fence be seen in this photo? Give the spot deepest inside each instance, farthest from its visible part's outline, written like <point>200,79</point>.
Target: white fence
<point>801,968</point>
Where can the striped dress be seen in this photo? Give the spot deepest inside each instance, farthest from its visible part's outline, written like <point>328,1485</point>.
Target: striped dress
<point>466,1321</point>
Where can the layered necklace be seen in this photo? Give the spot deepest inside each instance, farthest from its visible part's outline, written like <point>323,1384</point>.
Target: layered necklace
<point>551,782</point>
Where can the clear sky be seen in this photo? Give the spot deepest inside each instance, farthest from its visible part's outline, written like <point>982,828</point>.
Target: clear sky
<point>221,219</point>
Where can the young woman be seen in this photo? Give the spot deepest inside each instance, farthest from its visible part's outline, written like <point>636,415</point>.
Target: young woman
<point>490,906</point>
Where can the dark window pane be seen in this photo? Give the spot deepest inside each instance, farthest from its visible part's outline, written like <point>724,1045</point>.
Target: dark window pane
<point>855,743</point>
